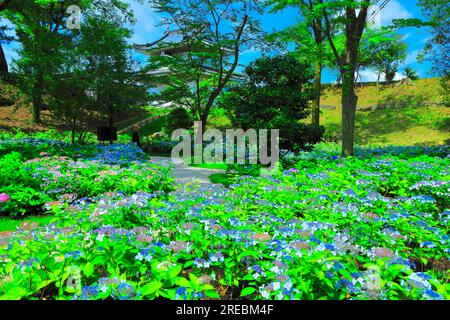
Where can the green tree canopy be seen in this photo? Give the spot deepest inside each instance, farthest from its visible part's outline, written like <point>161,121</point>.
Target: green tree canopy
<point>214,34</point>
<point>383,51</point>
<point>275,95</point>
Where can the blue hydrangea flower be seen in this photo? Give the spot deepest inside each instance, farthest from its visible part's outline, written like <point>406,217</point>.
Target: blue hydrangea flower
<point>216,257</point>
<point>89,292</point>
<point>432,295</point>
<point>74,254</point>
<point>180,293</point>
<point>125,291</point>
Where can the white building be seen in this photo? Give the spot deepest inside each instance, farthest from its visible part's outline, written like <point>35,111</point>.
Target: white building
<point>173,44</point>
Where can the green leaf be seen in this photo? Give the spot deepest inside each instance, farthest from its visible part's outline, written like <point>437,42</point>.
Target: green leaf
<point>345,273</point>
<point>151,287</point>
<point>88,269</point>
<point>247,291</point>
<point>212,294</point>
<point>182,282</point>
<point>14,294</point>
<point>194,279</point>
<point>208,287</point>
<point>43,284</point>
<point>247,254</point>
<point>173,272</point>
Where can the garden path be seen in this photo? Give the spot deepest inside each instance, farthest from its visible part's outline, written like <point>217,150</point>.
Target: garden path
<point>184,173</point>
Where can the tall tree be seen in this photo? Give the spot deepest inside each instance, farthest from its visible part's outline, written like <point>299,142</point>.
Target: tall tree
<point>275,95</point>
<point>41,29</point>
<point>383,51</point>
<point>310,39</point>
<point>97,60</point>
<point>103,55</point>
<point>213,33</point>
<point>354,16</point>
<point>38,33</point>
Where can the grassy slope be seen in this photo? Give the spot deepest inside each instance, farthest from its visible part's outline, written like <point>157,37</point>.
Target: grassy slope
<point>419,121</point>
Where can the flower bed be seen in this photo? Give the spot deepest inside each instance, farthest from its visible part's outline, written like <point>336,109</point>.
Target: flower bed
<point>327,228</point>
<point>86,171</point>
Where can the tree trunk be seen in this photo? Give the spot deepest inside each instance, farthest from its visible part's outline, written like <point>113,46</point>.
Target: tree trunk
<point>110,121</point>
<point>378,80</point>
<point>38,92</point>
<point>204,119</point>
<point>317,89</point>
<point>74,127</point>
<point>3,63</point>
<point>355,24</point>
<point>349,101</point>
<point>36,113</point>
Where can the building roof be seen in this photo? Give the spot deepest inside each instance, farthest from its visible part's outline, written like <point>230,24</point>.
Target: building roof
<point>174,43</point>
<point>165,71</point>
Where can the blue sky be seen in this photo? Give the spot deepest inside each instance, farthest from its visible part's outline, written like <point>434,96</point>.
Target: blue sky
<point>146,30</point>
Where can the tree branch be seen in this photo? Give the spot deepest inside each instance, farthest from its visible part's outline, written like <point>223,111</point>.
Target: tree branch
<point>330,39</point>
<point>4,4</point>
<point>222,83</point>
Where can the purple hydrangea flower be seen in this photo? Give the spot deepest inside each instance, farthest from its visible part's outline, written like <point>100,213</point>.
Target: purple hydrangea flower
<point>4,198</point>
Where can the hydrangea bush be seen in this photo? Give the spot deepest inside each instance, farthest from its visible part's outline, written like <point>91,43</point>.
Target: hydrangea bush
<point>369,227</point>
<point>85,171</point>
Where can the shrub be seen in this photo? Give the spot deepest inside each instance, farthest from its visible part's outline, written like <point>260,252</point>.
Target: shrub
<point>328,228</point>
<point>178,118</point>
<point>390,73</point>
<point>33,183</point>
<point>17,180</point>
<point>411,74</point>
<point>275,95</point>
<point>161,145</point>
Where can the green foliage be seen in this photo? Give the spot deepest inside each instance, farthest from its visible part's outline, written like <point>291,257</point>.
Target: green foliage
<point>389,72</point>
<point>275,96</point>
<point>370,227</point>
<point>178,118</point>
<point>57,65</point>
<point>436,50</point>
<point>445,85</point>
<point>221,178</point>
<point>17,180</point>
<point>411,74</point>
<point>383,51</point>
<point>308,35</point>
<point>11,224</point>
<point>51,179</point>
<point>214,33</point>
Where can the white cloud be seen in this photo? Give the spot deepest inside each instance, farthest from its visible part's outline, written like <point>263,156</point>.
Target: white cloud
<point>393,10</point>
<point>371,76</point>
